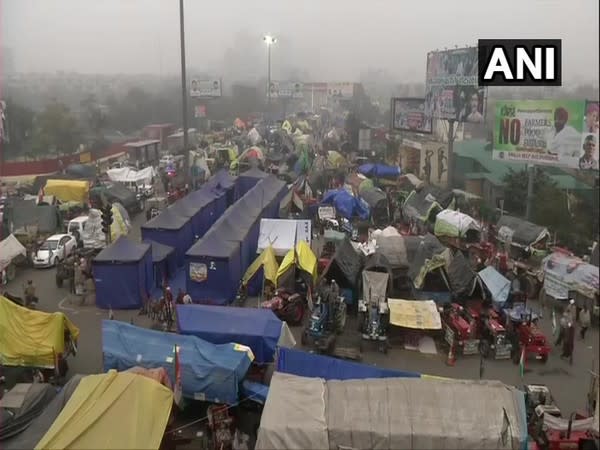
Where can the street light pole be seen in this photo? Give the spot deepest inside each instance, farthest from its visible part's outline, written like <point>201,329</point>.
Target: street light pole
<point>184,104</point>
<point>269,40</point>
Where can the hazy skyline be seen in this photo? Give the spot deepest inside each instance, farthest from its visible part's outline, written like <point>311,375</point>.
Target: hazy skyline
<point>330,40</point>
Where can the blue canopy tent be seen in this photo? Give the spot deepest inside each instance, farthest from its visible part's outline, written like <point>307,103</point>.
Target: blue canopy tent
<point>257,328</point>
<point>187,207</point>
<point>213,269</point>
<point>164,262</point>
<point>248,179</point>
<point>379,171</point>
<point>206,200</point>
<point>226,182</point>
<point>345,204</point>
<point>231,227</point>
<point>210,372</point>
<point>123,274</point>
<point>169,228</point>
<point>298,362</point>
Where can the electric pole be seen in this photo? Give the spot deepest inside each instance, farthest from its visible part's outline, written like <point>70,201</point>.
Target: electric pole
<point>184,94</point>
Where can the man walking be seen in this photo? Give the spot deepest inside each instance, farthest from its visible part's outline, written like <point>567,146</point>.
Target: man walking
<point>572,311</point>
<point>584,321</point>
<point>562,328</point>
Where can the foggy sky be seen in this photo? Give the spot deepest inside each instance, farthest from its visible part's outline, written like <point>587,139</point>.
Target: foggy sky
<point>329,39</point>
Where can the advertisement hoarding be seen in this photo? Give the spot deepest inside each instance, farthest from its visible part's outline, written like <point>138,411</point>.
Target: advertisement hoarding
<point>286,89</point>
<point>452,90</point>
<point>205,88</point>
<point>411,114</point>
<point>200,111</point>
<point>340,90</point>
<point>551,132</point>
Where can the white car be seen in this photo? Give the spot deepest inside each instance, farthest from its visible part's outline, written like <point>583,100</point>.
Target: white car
<point>54,249</point>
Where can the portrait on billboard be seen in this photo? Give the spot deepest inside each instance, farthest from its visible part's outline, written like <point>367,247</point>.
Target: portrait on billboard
<point>591,118</point>
<point>589,159</point>
<point>411,114</point>
<point>194,89</point>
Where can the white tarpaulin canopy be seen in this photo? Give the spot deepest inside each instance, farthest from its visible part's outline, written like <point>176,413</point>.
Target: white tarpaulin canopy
<point>391,413</point>
<point>564,273</point>
<point>454,224</point>
<point>127,174</point>
<point>10,248</point>
<point>496,283</point>
<point>283,234</point>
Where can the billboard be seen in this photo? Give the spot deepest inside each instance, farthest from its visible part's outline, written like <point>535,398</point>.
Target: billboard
<point>551,132</point>
<point>340,90</point>
<point>200,111</point>
<point>286,89</point>
<point>205,88</point>
<point>411,114</point>
<point>452,90</point>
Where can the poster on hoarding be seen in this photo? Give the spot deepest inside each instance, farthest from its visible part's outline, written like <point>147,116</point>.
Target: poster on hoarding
<point>340,90</point>
<point>205,88</point>
<point>286,89</point>
<point>200,111</point>
<point>411,114</point>
<point>550,132</point>
<point>452,90</point>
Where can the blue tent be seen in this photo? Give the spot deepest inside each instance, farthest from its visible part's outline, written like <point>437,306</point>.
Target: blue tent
<point>232,226</point>
<point>379,171</point>
<point>257,328</point>
<point>208,372</point>
<point>248,179</point>
<point>227,183</point>
<point>213,269</point>
<point>304,364</point>
<point>206,200</point>
<point>169,228</point>
<point>187,207</point>
<point>164,262</point>
<point>123,274</point>
<point>345,204</point>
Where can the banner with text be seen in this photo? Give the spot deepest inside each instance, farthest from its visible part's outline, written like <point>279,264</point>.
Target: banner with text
<point>411,114</point>
<point>286,89</point>
<point>452,90</point>
<point>340,90</point>
<point>205,88</point>
<point>550,132</point>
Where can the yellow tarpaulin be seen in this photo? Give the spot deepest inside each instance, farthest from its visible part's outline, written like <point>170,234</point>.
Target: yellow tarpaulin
<point>335,158</point>
<point>115,410</point>
<point>304,126</point>
<point>415,314</point>
<point>303,256</point>
<point>30,338</point>
<point>68,190</point>
<point>287,127</point>
<point>118,227</point>
<point>268,262</point>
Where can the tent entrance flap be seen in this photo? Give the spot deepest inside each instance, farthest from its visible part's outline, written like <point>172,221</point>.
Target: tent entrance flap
<point>268,262</point>
<point>375,286</point>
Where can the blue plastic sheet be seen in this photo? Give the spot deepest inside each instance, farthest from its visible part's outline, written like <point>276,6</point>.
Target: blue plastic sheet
<point>257,392</point>
<point>209,372</point>
<point>379,171</point>
<point>304,364</point>
<point>346,204</point>
<point>258,329</point>
<point>169,228</point>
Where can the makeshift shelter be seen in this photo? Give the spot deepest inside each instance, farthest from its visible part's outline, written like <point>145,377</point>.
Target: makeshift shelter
<point>346,204</point>
<point>302,259</point>
<point>424,204</point>
<point>10,248</point>
<point>206,202</point>
<point>391,413</point>
<point>25,215</point>
<point>305,364</point>
<point>265,261</point>
<point>169,228</point>
<point>497,285</point>
<point>519,232</point>
<point>345,267</point>
<point>257,328</point>
<point>428,268</point>
<point>248,179</point>
<point>68,190</point>
<point>123,274</point>
<point>213,269</point>
<point>415,314</point>
<point>291,203</point>
<point>32,338</point>
<point>208,371</point>
<point>282,234</point>
<point>454,224</point>
<point>463,279</point>
<point>378,204</point>
<point>335,159</point>
<point>188,208</point>
<point>105,410</point>
<point>378,170</point>
<point>565,274</point>
<point>164,262</point>
<point>230,229</point>
<point>224,182</point>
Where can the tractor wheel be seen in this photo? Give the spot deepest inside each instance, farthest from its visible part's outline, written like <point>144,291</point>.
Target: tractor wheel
<point>340,318</point>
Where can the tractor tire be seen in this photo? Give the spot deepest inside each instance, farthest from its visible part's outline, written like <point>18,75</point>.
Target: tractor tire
<point>340,318</point>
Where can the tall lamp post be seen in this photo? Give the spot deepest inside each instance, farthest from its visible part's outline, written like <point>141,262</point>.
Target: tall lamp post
<point>184,94</point>
<point>269,40</point>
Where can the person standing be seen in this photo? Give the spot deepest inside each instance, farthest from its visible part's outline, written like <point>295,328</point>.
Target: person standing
<point>562,329</point>
<point>572,311</point>
<point>584,321</point>
<point>569,342</point>
<point>30,297</point>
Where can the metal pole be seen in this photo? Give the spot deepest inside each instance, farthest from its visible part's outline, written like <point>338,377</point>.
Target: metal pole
<point>530,181</point>
<point>450,172</point>
<point>184,104</point>
<point>269,83</point>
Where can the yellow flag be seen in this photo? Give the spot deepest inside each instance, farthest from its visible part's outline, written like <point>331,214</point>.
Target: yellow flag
<point>287,126</point>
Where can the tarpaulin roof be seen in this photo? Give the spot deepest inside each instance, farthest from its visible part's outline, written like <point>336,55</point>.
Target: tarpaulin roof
<point>564,273</point>
<point>254,172</point>
<point>415,314</point>
<point>185,207</point>
<point>394,250</point>
<point>32,338</point>
<point>105,410</point>
<point>24,213</point>
<point>520,231</point>
<point>391,413</point>
<point>345,204</point>
<point>10,248</point>
<point>268,262</point>
<point>305,364</point>
<point>427,247</point>
<point>68,190</point>
<point>379,170</point>
<point>159,251</point>
<point>345,266</point>
<point>209,372</point>
<point>495,282</point>
<point>374,197</point>
<point>302,256</point>
<point>123,250</point>
<point>168,219</point>
<point>421,205</point>
<point>214,245</point>
<point>222,179</point>
<point>257,328</point>
<point>462,277</point>
<point>454,224</point>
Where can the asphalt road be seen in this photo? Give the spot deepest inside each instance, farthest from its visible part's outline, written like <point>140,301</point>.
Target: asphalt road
<point>569,383</point>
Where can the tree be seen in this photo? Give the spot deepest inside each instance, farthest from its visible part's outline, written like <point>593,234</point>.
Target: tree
<point>94,116</point>
<point>19,128</point>
<point>56,130</point>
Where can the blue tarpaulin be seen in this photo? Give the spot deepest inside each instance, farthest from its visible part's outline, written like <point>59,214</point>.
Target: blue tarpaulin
<point>123,274</point>
<point>164,261</point>
<point>257,392</point>
<point>169,228</point>
<point>298,362</point>
<point>345,204</point>
<point>248,179</point>
<point>208,372</point>
<point>496,284</point>
<point>207,201</point>
<point>257,328</point>
<point>224,183</point>
<point>379,171</point>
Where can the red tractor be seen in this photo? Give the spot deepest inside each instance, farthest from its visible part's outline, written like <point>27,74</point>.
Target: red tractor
<point>487,326</point>
<point>460,331</point>
<point>530,338</point>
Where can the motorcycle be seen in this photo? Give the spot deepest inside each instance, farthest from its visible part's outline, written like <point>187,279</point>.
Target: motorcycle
<point>287,306</point>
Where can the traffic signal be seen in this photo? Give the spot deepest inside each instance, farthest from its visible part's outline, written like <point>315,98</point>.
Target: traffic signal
<point>107,219</point>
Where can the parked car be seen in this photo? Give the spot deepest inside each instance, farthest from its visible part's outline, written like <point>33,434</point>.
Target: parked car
<point>54,249</point>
